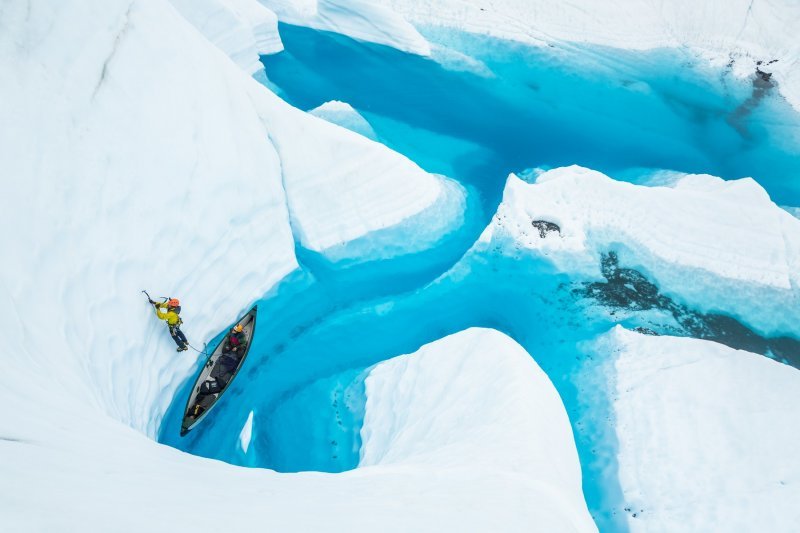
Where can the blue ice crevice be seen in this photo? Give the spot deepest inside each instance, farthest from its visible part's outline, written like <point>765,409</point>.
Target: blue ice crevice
<point>625,113</point>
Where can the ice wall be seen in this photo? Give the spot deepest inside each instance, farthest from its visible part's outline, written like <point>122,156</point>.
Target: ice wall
<point>738,33</point>
<point>140,156</point>
<point>243,29</point>
<point>360,19</point>
<point>705,433</point>
<point>134,168</point>
<point>477,402</point>
<point>344,115</point>
<point>717,245</point>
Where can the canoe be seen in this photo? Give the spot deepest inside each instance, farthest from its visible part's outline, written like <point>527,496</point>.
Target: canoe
<point>216,376</point>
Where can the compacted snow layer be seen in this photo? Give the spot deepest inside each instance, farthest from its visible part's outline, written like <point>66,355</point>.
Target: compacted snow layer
<point>717,245</point>
<point>738,33</point>
<point>441,457</point>
<point>243,29</point>
<point>707,434</point>
<point>360,19</point>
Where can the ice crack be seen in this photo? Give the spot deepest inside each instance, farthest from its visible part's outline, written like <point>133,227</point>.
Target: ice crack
<point>117,40</point>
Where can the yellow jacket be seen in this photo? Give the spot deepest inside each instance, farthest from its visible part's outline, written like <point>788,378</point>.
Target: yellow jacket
<point>171,317</point>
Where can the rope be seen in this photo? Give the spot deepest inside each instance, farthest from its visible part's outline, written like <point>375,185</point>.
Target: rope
<point>196,350</point>
<point>201,352</point>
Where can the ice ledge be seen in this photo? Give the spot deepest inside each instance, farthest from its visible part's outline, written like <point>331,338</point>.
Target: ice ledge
<point>705,433</point>
<point>351,198</point>
<point>359,19</point>
<point>243,29</point>
<point>718,245</point>
<point>343,114</point>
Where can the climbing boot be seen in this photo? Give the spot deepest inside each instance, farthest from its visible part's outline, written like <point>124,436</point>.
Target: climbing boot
<point>183,348</point>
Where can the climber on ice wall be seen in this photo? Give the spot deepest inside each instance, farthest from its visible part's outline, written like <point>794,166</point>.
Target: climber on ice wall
<point>170,311</point>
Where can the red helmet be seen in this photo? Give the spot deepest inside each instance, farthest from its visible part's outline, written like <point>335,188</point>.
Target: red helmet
<point>173,302</point>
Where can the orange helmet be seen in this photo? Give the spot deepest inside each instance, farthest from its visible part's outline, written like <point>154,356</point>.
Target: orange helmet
<point>238,328</point>
<point>173,302</point>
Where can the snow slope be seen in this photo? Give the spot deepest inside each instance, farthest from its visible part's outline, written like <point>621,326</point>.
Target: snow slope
<point>139,156</point>
<point>359,19</point>
<point>515,468</point>
<point>243,29</point>
<point>738,31</point>
<point>718,245</point>
<point>707,434</point>
<point>126,159</point>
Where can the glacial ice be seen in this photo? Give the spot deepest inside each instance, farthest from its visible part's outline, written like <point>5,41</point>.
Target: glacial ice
<point>217,203</point>
<point>204,215</point>
<point>338,193</point>
<point>497,414</point>
<point>703,432</point>
<point>741,34</point>
<point>360,19</point>
<point>720,246</point>
<point>243,29</point>
<point>625,113</point>
<point>344,115</point>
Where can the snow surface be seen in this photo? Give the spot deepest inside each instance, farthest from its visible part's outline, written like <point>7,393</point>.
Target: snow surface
<point>359,19</point>
<point>707,434</point>
<point>736,32</point>
<point>344,115</point>
<point>716,245</point>
<point>243,29</point>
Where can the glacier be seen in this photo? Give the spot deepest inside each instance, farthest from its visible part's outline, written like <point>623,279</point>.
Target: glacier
<point>466,330</point>
<point>702,443</point>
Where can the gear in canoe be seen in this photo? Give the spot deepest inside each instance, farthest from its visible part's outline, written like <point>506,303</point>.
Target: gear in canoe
<point>219,371</point>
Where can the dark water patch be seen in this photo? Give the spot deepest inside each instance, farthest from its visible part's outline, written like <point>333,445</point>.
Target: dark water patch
<point>763,84</point>
<point>628,289</point>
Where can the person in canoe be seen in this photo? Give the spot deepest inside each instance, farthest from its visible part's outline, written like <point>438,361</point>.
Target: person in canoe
<point>170,312</point>
<point>235,342</point>
<point>233,347</point>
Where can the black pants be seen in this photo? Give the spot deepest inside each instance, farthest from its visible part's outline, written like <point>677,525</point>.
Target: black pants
<point>178,336</point>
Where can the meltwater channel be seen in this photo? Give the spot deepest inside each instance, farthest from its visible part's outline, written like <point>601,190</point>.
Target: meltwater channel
<point>479,109</point>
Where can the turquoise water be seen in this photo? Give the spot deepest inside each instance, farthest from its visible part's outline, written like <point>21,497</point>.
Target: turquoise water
<point>322,328</point>
<point>610,110</point>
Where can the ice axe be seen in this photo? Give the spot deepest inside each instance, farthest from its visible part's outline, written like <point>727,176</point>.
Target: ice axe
<point>151,300</point>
